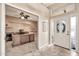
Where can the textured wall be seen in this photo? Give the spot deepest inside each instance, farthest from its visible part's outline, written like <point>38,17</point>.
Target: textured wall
<point>14,24</point>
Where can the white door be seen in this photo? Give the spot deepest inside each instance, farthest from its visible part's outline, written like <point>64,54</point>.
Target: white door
<point>62,31</point>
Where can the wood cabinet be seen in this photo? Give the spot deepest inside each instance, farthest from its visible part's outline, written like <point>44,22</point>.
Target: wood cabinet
<point>31,37</point>
<point>19,39</point>
<point>15,40</point>
<point>24,39</point>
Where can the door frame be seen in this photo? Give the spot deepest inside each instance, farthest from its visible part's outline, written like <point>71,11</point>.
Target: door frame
<point>66,15</point>
<point>36,41</point>
<point>72,15</point>
<point>2,29</point>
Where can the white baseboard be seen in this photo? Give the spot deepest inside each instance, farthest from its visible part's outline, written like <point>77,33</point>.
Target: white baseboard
<point>50,45</point>
<point>46,45</point>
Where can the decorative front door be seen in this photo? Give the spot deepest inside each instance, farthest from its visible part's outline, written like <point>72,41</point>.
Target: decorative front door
<point>62,32</point>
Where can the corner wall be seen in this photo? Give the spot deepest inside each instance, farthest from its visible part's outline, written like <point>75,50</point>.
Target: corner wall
<point>0,29</point>
<point>43,38</point>
<point>77,11</point>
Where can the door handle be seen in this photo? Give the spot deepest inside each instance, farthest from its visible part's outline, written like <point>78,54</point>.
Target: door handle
<point>68,34</point>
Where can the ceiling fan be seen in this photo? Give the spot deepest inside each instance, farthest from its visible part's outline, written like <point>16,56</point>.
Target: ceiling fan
<point>22,16</point>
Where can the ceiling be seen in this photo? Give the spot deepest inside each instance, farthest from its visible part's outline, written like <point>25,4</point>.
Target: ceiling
<point>47,4</point>
<point>10,11</point>
<point>42,8</point>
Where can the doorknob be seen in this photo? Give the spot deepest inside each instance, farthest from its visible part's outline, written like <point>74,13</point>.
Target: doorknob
<point>68,34</point>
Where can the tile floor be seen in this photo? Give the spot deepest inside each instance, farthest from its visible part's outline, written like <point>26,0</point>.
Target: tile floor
<point>53,51</point>
<point>30,49</point>
<point>20,50</point>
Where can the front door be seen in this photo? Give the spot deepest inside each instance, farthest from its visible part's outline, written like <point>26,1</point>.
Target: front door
<point>62,31</point>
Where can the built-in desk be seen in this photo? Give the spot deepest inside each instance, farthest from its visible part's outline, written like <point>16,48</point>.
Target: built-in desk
<point>19,39</point>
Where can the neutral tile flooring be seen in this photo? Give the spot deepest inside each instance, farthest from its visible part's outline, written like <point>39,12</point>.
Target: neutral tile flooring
<point>53,51</point>
<point>30,49</point>
<point>20,50</point>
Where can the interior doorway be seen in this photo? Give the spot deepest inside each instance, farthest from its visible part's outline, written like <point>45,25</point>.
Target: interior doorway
<point>21,30</point>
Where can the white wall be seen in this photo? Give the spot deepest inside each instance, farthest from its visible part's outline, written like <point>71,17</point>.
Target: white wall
<point>0,29</point>
<point>77,10</point>
<point>51,31</point>
<point>43,38</point>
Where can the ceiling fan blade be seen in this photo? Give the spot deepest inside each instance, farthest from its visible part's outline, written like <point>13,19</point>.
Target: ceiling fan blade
<point>26,16</point>
<point>21,13</point>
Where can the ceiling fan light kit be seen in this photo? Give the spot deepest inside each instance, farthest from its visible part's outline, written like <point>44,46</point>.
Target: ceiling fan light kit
<point>22,16</point>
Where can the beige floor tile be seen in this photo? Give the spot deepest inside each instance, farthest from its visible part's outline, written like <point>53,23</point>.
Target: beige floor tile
<point>30,49</point>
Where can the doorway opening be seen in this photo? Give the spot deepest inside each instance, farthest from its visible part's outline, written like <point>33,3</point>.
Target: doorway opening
<point>21,29</point>
<point>73,33</point>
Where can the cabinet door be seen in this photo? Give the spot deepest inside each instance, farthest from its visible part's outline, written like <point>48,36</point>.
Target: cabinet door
<point>24,39</point>
<point>16,39</point>
<point>31,37</point>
